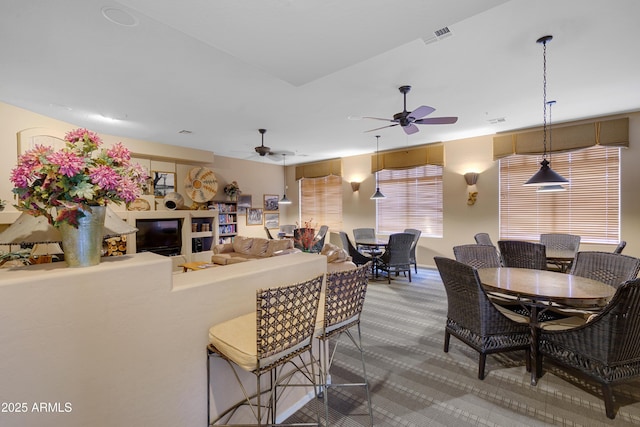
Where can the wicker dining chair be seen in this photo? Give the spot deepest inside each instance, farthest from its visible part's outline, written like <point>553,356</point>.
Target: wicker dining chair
<point>357,257</point>
<point>607,267</point>
<point>560,241</point>
<point>521,254</point>
<point>269,236</point>
<point>605,349</point>
<point>340,316</point>
<point>397,256</point>
<point>280,332</point>
<point>475,320</point>
<point>483,239</point>
<point>477,256</point>
<point>416,238</point>
<point>320,238</point>
<point>620,247</point>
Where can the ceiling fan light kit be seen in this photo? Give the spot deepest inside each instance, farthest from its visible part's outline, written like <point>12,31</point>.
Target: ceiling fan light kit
<point>409,119</point>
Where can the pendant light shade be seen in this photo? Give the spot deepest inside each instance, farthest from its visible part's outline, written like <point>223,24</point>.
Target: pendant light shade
<point>545,176</point>
<point>378,194</point>
<point>285,200</point>
<point>550,189</point>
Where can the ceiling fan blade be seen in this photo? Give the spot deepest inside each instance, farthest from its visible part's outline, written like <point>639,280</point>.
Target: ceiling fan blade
<point>383,127</point>
<point>437,121</point>
<point>410,129</point>
<point>421,112</point>
<point>378,118</point>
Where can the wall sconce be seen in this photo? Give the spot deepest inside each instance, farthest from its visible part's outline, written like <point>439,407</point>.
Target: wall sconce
<point>355,186</point>
<point>471,178</point>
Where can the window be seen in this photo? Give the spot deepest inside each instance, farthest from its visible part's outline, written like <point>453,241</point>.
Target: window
<point>413,200</point>
<point>589,208</point>
<point>321,201</point>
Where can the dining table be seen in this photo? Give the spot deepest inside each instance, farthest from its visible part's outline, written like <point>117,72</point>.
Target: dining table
<point>374,247</point>
<point>539,290</point>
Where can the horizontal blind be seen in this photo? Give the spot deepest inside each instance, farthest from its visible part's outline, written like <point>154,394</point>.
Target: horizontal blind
<point>413,199</point>
<point>589,208</point>
<point>321,201</point>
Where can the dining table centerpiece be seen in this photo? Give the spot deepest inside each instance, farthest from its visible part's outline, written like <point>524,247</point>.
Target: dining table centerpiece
<point>72,186</point>
<point>305,236</point>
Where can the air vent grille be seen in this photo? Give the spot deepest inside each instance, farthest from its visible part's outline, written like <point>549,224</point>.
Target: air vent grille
<point>437,35</point>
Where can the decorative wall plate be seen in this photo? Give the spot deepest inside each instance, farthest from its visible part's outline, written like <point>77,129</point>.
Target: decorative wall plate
<point>201,184</point>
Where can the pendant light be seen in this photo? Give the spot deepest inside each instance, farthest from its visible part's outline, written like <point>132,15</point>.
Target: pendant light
<point>377,194</point>
<point>556,187</point>
<point>285,200</point>
<point>545,176</point>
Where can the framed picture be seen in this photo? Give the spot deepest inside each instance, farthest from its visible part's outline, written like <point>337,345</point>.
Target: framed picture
<point>271,202</point>
<point>254,216</point>
<point>244,202</point>
<point>163,183</point>
<point>271,220</point>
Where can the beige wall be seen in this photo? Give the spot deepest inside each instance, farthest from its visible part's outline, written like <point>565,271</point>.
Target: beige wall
<point>461,221</point>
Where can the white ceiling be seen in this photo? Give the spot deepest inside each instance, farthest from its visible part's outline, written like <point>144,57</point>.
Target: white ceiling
<point>222,69</point>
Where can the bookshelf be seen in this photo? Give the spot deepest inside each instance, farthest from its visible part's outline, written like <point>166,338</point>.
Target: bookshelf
<point>227,220</point>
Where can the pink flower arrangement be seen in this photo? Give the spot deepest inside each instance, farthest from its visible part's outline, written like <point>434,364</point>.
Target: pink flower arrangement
<point>58,184</point>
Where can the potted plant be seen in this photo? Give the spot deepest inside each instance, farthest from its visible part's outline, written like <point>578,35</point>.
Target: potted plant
<point>232,190</point>
<point>72,186</point>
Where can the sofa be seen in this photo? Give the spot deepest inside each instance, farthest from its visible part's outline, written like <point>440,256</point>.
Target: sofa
<point>244,249</point>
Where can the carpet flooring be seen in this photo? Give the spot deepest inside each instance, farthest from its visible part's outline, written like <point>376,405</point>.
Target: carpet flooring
<point>415,383</point>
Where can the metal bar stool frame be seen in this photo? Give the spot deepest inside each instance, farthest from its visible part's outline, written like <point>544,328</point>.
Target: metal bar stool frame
<point>344,298</point>
<point>285,324</point>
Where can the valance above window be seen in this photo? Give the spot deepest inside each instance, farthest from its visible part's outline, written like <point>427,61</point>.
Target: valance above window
<point>432,154</point>
<point>565,138</point>
<point>319,169</point>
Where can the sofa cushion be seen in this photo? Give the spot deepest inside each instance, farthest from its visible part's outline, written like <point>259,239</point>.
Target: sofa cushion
<point>259,247</point>
<point>242,244</point>
<point>275,246</point>
<point>334,253</point>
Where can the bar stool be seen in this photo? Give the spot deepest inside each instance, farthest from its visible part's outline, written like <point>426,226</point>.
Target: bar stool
<point>278,334</point>
<point>343,302</point>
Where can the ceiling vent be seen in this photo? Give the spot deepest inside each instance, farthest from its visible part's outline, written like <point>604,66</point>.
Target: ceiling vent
<point>438,35</point>
<point>496,121</point>
<point>185,132</point>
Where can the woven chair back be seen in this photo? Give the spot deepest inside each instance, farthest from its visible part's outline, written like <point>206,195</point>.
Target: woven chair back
<point>344,299</point>
<point>521,254</point>
<point>286,318</point>
<point>468,305</point>
<point>607,267</point>
<point>357,257</point>
<point>620,247</point>
<point>398,250</point>
<point>483,239</point>
<point>364,234</point>
<point>477,256</point>
<point>561,241</point>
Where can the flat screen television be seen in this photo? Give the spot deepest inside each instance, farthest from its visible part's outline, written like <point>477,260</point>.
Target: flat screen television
<point>160,236</point>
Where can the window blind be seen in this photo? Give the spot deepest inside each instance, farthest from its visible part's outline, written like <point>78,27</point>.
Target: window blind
<point>413,200</point>
<point>589,208</point>
<point>321,201</point>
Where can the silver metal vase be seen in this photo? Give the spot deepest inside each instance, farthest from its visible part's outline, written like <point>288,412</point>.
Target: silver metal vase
<point>82,246</point>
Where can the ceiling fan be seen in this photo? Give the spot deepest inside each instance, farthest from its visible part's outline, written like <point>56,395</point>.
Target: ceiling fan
<point>265,151</point>
<point>409,119</point>
<point>262,149</point>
